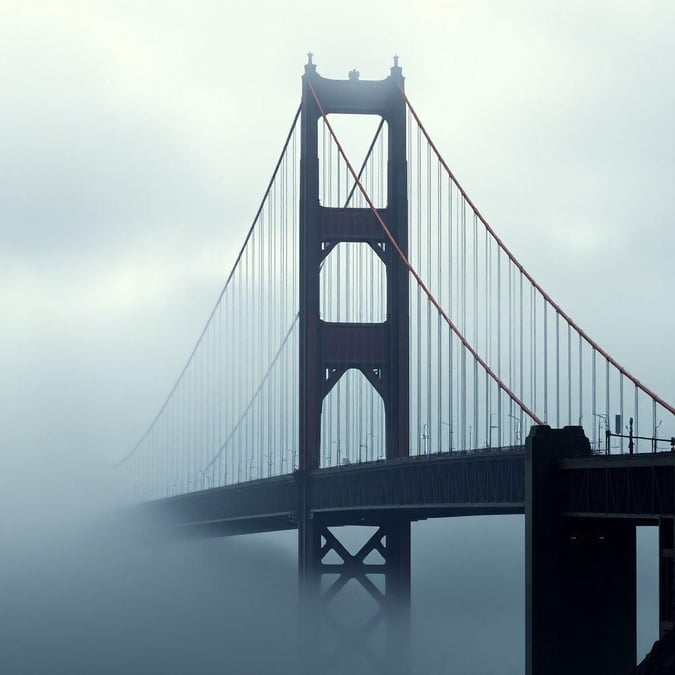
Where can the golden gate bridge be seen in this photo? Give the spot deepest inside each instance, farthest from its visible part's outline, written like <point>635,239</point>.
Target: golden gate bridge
<point>378,355</point>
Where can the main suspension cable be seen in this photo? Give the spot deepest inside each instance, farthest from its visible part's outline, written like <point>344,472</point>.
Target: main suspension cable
<point>414,272</point>
<point>220,295</point>
<point>547,298</point>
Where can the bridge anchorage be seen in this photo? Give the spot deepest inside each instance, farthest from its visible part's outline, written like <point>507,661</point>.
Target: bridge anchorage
<point>378,356</point>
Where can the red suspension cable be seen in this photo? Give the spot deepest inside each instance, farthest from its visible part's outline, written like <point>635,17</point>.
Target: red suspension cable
<point>414,273</point>
<point>526,274</point>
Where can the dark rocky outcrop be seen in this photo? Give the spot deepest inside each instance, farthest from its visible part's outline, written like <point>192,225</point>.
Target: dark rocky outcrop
<point>661,658</point>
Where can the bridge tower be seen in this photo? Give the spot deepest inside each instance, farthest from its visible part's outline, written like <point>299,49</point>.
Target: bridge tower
<point>379,351</point>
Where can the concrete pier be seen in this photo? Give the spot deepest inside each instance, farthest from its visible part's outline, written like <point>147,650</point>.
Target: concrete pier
<point>580,573</point>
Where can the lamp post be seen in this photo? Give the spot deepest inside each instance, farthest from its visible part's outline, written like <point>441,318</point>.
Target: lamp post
<point>516,436</point>
<point>378,444</point>
<point>656,427</point>
<point>602,419</point>
<point>490,428</point>
<point>447,424</point>
<point>337,444</point>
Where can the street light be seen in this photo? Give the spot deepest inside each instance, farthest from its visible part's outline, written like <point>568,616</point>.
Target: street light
<point>656,427</point>
<point>447,424</point>
<point>602,419</point>
<point>337,443</point>
<point>517,421</point>
<point>378,443</point>
<point>490,428</point>
<point>425,438</point>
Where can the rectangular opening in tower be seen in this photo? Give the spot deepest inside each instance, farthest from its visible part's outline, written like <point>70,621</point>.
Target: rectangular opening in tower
<point>353,285</point>
<point>364,141</point>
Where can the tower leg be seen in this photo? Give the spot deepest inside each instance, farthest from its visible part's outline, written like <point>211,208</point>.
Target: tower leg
<point>398,597</point>
<point>580,574</point>
<point>666,575</point>
<point>309,580</point>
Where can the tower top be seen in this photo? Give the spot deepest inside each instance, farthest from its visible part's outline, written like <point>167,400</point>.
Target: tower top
<point>310,68</point>
<point>396,70</point>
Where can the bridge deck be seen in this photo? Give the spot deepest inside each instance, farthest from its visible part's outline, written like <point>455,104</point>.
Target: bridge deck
<point>639,487</point>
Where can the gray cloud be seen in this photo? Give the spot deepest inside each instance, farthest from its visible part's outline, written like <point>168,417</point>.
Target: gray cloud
<point>136,141</point>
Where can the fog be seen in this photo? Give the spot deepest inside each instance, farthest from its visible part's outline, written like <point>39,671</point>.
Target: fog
<point>83,598</point>
<point>92,602</point>
<point>80,595</point>
<point>136,142</point>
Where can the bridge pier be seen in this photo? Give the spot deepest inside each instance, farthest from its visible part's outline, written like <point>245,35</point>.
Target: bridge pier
<point>580,572</point>
<point>377,641</point>
<point>666,575</point>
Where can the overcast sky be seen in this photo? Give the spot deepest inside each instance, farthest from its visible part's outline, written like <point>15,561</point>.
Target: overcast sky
<point>136,139</point>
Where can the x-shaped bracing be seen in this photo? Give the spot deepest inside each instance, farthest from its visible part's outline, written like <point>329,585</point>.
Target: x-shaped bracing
<point>354,566</point>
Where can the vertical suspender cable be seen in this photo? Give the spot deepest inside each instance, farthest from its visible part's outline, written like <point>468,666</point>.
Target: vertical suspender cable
<point>521,364</point>
<point>463,321</point>
<point>513,359</point>
<point>593,400</point>
<point>450,272</point>
<point>636,414</point>
<point>622,425</point>
<point>499,342</point>
<point>487,303</point>
<point>430,281</point>
<point>418,193</point>
<point>534,348</point>
<point>581,380</point>
<point>545,362</point>
<point>569,374</point>
<point>222,480</point>
<point>439,266</point>
<point>607,427</point>
<point>557,369</point>
<point>474,293</point>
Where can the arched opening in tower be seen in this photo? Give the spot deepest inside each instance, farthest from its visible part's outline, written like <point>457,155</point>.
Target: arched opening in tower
<point>352,422</point>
